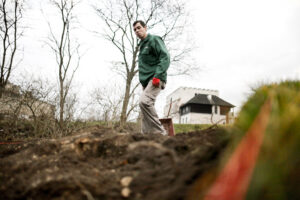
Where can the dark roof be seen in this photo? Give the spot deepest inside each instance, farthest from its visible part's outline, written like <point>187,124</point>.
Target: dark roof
<point>204,99</point>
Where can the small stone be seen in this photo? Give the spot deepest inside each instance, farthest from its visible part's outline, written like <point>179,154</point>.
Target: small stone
<point>125,192</point>
<point>83,140</point>
<point>48,178</point>
<point>125,181</point>
<point>72,146</point>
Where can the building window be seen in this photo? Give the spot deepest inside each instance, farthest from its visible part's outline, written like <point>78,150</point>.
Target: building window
<point>185,110</point>
<point>201,108</point>
<point>216,109</point>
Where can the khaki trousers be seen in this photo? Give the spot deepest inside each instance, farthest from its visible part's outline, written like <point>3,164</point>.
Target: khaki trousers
<point>150,120</point>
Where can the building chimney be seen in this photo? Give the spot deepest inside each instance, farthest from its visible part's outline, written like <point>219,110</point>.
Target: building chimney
<point>209,97</point>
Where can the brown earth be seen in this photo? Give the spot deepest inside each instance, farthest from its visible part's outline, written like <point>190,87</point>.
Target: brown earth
<point>104,164</point>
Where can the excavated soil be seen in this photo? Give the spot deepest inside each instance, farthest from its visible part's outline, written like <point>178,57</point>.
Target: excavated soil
<point>104,164</point>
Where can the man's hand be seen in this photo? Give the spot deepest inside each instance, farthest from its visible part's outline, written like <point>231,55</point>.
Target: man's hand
<point>155,82</point>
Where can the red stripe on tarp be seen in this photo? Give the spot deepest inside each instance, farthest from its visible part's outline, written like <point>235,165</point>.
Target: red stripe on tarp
<point>11,142</point>
<point>233,181</point>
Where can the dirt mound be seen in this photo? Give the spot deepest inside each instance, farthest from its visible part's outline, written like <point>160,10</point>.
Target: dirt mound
<point>102,164</point>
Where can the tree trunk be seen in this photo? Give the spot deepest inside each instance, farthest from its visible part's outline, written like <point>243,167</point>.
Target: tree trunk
<point>61,105</point>
<point>1,90</point>
<point>125,103</point>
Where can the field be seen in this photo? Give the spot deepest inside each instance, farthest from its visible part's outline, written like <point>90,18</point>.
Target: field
<point>99,163</point>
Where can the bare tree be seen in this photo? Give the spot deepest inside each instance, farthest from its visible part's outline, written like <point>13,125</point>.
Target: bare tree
<point>10,17</point>
<point>106,103</point>
<point>66,50</point>
<point>166,17</point>
<point>32,100</point>
<point>37,99</point>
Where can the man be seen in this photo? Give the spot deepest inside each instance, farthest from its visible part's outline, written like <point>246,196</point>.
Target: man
<point>154,61</point>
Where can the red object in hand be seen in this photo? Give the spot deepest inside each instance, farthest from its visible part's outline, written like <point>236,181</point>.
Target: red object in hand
<point>155,82</point>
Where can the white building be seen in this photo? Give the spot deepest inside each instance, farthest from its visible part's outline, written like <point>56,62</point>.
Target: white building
<point>197,106</point>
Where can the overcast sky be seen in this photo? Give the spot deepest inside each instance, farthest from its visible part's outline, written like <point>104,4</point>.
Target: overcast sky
<point>240,43</point>
<point>246,42</point>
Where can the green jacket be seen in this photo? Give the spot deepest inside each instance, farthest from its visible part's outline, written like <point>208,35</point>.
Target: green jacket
<point>154,59</point>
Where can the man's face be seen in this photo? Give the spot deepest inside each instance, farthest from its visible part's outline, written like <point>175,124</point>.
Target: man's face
<point>140,31</point>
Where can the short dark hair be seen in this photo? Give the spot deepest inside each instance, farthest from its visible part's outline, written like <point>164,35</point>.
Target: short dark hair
<point>141,22</point>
